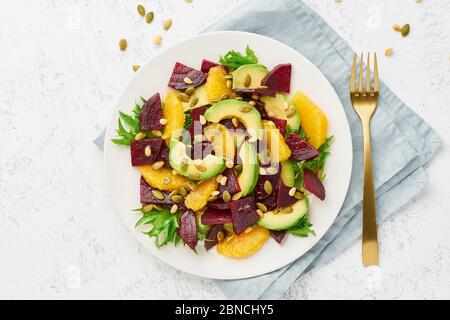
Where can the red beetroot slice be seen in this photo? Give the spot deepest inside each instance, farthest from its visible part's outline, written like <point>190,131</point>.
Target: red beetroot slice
<point>196,127</point>
<point>213,217</point>
<point>261,107</point>
<point>301,150</point>
<point>207,64</point>
<point>232,185</point>
<point>279,79</point>
<point>278,236</point>
<point>248,93</point>
<point>244,214</point>
<point>283,197</point>
<point>211,237</point>
<point>188,229</point>
<point>151,114</point>
<point>280,124</point>
<point>181,72</point>
<point>313,184</point>
<point>164,154</point>
<point>138,156</point>
<point>219,205</point>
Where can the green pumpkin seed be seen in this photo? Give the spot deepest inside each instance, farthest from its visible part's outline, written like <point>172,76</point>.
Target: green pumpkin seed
<point>405,30</point>
<point>167,24</point>
<point>123,44</point>
<point>247,81</point>
<point>141,10</point>
<point>226,196</point>
<point>286,210</point>
<point>268,187</point>
<point>136,68</point>
<point>190,91</point>
<point>299,196</point>
<point>183,192</point>
<point>229,84</point>
<point>183,97</point>
<point>193,102</point>
<point>147,208</point>
<point>261,207</point>
<point>149,17</point>
<point>158,194</point>
<point>177,198</point>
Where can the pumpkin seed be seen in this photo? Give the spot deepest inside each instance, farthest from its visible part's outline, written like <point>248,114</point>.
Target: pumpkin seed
<point>226,196</point>
<point>148,151</point>
<point>255,97</point>
<point>212,199</point>
<point>405,30</point>
<point>174,173</point>
<point>262,171</point>
<point>219,178</point>
<point>202,120</point>
<point>389,52</point>
<point>286,210</point>
<point>245,109</point>
<point>173,193</point>
<point>157,40</point>
<point>201,167</point>
<point>140,136</point>
<point>187,80</point>
<point>260,213</point>
<point>263,87</point>
<point>167,24</point>
<point>136,68</point>
<point>147,208</point>
<point>156,133</point>
<point>229,163</point>
<point>270,114</point>
<point>235,122</point>
<point>157,207</point>
<point>149,17</point>
<point>229,84</point>
<point>123,44</point>
<point>236,196</point>
<point>193,102</point>
<point>238,98</point>
<point>252,103</point>
<point>141,10</point>
<point>268,187</point>
<point>261,206</point>
<point>158,165</point>
<point>223,181</point>
<point>215,193</point>
<point>238,168</point>
<point>177,198</point>
<point>190,91</point>
<point>163,121</point>
<point>272,170</point>
<point>228,76</point>
<point>182,192</point>
<point>396,27</point>
<point>275,211</point>
<point>174,209</point>
<point>158,194</point>
<point>220,236</point>
<point>225,96</point>
<point>299,196</point>
<point>292,191</point>
<point>247,81</point>
<point>183,97</point>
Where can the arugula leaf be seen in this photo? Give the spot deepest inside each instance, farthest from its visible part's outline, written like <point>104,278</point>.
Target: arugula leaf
<point>234,59</point>
<point>164,226</point>
<point>125,137</point>
<point>187,121</point>
<point>303,228</point>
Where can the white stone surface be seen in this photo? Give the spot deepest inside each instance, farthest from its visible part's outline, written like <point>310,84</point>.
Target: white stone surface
<point>60,74</point>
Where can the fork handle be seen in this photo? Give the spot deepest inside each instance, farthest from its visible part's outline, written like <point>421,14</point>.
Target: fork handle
<point>369,234</point>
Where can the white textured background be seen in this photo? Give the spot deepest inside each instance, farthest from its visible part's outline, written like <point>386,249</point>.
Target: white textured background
<point>60,74</point>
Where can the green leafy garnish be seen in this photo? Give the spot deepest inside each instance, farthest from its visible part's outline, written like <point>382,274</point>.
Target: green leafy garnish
<point>132,121</point>
<point>187,121</point>
<point>164,226</point>
<point>318,163</point>
<point>300,132</point>
<point>303,228</point>
<point>234,59</point>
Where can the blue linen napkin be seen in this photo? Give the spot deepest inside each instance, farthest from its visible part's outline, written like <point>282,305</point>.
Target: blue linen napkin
<point>402,141</point>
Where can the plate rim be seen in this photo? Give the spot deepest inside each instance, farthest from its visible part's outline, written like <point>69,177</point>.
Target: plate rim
<point>113,118</point>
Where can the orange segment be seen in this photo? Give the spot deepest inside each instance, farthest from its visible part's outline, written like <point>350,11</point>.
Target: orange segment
<point>174,114</point>
<point>197,199</point>
<point>313,121</point>
<point>245,244</point>
<point>279,150</point>
<point>157,178</point>
<point>216,84</point>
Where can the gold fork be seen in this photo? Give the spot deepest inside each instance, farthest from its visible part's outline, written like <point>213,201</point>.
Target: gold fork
<point>365,102</point>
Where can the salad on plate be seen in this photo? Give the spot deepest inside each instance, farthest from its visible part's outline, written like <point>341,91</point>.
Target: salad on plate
<point>227,159</point>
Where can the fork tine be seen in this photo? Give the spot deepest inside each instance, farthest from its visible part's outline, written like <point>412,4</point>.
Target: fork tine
<point>353,76</point>
<point>361,90</point>
<point>376,86</point>
<point>368,74</point>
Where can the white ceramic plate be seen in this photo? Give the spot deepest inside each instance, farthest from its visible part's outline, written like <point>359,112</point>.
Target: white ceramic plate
<point>123,180</point>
